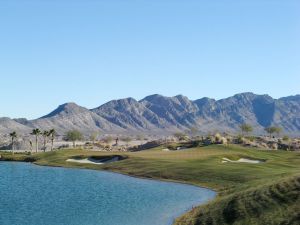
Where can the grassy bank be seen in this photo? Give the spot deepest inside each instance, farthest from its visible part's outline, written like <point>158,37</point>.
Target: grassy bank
<point>274,203</point>
<point>236,183</point>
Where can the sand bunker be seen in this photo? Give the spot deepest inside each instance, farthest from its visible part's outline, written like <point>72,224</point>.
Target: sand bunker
<point>241,160</point>
<point>94,161</point>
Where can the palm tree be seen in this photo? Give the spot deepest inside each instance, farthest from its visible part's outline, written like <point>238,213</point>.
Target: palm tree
<point>30,143</point>
<point>13,136</point>
<point>52,134</point>
<point>36,133</point>
<point>278,131</point>
<point>45,135</point>
<point>193,131</point>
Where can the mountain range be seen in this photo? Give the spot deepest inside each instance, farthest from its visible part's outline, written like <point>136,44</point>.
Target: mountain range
<point>157,114</point>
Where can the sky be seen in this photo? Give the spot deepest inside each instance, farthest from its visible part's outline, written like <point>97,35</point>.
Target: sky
<point>90,52</point>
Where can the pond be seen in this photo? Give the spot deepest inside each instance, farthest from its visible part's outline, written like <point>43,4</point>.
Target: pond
<point>38,195</point>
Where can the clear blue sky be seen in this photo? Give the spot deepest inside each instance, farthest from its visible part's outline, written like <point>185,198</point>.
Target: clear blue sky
<point>89,52</point>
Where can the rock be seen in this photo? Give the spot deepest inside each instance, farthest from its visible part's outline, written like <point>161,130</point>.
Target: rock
<point>165,115</point>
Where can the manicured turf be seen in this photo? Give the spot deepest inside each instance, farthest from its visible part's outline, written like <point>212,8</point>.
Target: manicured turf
<point>236,183</point>
<point>275,203</point>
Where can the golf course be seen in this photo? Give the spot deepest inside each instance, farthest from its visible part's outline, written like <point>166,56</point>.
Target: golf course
<point>267,192</point>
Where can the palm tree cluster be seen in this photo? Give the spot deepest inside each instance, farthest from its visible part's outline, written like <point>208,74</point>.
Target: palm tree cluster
<point>47,135</point>
<point>13,136</point>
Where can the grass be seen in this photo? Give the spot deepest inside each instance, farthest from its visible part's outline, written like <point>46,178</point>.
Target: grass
<point>240,186</point>
<point>275,203</point>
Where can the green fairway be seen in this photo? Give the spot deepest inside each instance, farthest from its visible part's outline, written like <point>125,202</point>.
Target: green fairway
<point>236,183</point>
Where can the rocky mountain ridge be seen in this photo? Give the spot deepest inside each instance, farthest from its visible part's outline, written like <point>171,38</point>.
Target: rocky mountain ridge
<point>157,114</point>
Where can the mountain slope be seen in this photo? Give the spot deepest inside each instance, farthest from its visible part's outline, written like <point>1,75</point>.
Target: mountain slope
<point>157,114</point>
<point>287,113</point>
<point>71,116</point>
<point>177,111</point>
<point>229,113</point>
<point>8,125</point>
<point>131,115</point>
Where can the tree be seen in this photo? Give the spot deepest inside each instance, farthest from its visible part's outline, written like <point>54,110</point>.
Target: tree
<point>74,135</point>
<point>278,130</point>
<point>45,135</point>
<point>193,131</point>
<point>140,137</point>
<point>269,130</point>
<point>246,128</point>
<point>286,138</point>
<point>179,135</point>
<point>36,132</point>
<point>52,134</point>
<point>94,137</point>
<point>30,144</point>
<point>127,140</point>
<point>272,130</point>
<point>108,140</point>
<point>13,136</point>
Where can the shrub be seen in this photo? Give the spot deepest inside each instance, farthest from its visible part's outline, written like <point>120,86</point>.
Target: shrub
<point>285,138</point>
<point>224,141</point>
<point>218,138</point>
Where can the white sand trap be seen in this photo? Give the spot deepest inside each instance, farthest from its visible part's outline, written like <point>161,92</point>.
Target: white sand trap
<point>182,148</point>
<point>93,161</point>
<point>241,160</point>
<point>166,150</point>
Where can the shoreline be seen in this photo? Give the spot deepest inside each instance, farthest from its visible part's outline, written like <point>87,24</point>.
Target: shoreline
<point>202,168</point>
<point>172,220</point>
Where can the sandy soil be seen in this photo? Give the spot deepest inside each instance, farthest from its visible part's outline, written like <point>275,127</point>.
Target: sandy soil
<point>93,161</point>
<point>242,160</point>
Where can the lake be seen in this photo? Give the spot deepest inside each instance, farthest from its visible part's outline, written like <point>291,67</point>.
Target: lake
<point>35,195</point>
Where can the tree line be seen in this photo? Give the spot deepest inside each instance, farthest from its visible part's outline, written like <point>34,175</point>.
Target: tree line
<point>247,128</point>
<point>75,135</point>
<point>47,135</point>
<point>72,136</point>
